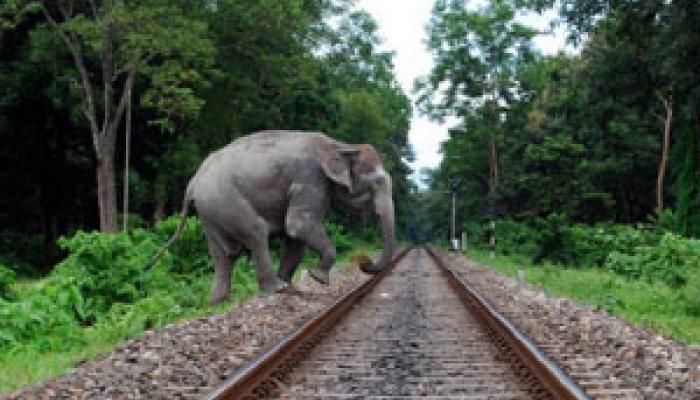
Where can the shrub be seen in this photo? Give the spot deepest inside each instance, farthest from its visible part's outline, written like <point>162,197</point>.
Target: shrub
<point>126,320</point>
<point>671,261</point>
<point>43,322</point>
<point>514,237</point>
<point>587,246</point>
<point>691,293</point>
<point>7,278</point>
<point>553,242</point>
<point>108,269</point>
<point>340,238</point>
<point>590,245</point>
<point>191,252</point>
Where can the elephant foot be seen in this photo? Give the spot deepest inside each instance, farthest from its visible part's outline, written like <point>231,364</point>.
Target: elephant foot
<point>370,269</point>
<point>274,286</point>
<point>320,275</point>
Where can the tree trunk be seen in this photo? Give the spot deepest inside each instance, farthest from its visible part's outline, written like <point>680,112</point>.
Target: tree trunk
<point>493,161</point>
<point>106,192</point>
<point>665,149</point>
<point>127,151</point>
<point>158,200</point>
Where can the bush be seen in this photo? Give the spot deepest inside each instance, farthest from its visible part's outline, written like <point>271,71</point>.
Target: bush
<point>691,293</point>
<point>126,320</point>
<point>7,278</point>
<point>553,239</point>
<point>591,245</point>
<point>191,252</point>
<point>108,269</point>
<point>514,237</point>
<point>581,245</point>
<point>340,238</point>
<point>672,261</point>
<point>44,320</point>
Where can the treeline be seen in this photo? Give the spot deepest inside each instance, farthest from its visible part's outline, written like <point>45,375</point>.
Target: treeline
<point>190,76</point>
<point>609,134</point>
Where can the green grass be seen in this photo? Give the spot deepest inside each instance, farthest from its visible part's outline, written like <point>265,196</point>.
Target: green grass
<point>653,305</point>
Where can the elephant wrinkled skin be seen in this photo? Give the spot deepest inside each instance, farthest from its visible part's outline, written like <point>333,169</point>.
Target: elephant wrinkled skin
<point>281,182</point>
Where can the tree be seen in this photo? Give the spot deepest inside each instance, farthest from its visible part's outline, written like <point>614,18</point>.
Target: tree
<point>153,38</point>
<point>662,36</point>
<point>476,55</point>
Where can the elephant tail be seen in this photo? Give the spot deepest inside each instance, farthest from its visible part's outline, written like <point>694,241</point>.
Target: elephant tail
<point>178,231</point>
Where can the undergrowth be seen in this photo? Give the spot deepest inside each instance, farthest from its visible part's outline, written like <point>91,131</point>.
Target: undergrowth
<point>102,294</point>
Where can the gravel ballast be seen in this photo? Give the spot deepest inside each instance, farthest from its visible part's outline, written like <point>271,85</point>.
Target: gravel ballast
<point>608,356</point>
<point>189,359</point>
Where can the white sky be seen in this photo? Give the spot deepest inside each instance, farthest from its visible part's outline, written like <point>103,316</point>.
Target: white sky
<point>402,26</point>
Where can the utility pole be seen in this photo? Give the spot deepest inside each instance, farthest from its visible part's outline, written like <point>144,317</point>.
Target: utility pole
<point>453,234</point>
<point>453,183</point>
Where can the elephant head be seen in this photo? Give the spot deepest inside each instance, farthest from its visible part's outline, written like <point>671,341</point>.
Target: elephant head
<point>361,181</point>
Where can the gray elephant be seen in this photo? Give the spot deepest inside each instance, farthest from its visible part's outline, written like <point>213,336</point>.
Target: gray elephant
<point>282,182</point>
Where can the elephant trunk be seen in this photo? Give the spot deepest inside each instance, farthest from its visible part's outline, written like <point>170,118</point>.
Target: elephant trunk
<point>384,207</point>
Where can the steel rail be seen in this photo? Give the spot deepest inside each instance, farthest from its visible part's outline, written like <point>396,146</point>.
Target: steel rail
<point>257,371</point>
<point>551,375</point>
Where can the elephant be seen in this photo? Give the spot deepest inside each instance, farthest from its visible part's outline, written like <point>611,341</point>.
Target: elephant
<point>283,183</point>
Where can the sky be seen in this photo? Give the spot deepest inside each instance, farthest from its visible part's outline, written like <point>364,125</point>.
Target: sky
<point>402,26</point>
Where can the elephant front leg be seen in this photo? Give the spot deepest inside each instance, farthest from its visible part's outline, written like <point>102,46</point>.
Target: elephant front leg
<point>304,222</point>
<point>325,248</point>
<point>304,227</point>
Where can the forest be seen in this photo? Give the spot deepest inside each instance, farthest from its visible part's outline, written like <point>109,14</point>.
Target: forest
<point>581,164</point>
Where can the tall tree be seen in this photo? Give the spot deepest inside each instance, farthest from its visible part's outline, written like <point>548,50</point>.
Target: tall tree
<point>661,36</point>
<point>476,55</point>
<point>115,40</point>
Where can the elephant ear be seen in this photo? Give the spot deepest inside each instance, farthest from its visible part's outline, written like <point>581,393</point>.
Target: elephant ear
<point>336,164</point>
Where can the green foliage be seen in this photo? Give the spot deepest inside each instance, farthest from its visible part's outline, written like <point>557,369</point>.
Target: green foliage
<point>591,245</point>
<point>691,294</point>
<point>672,261</point>
<point>103,282</point>
<point>339,236</point>
<point>636,252</point>
<point>108,269</point>
<point>191,253</point>
<point>553,241</point>
<point>128,319</point>
<point>7,278</point>
<point>514,237</point>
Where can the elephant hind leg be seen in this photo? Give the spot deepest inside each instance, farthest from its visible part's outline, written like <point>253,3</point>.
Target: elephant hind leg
<point>291,257</point>
<point>224,253</point>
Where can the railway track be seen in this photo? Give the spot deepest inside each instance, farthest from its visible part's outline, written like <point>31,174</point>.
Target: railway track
<point>416,330</point>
